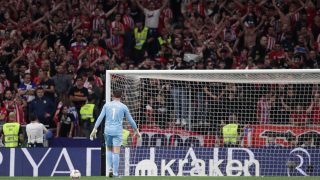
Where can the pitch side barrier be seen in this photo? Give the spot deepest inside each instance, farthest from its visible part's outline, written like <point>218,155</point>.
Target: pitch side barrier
<point>163,161</point>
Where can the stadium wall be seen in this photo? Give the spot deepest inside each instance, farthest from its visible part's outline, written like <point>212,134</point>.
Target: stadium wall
<point>164,161</point>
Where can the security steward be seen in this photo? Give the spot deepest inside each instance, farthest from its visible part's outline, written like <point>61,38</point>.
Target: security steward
<point>231,132</point>
<point>142,39</point>
<point>126,138</point>
<point>88,114</point>
<point>126,135</point>
<point>12,135</point>
<point>164,39</point>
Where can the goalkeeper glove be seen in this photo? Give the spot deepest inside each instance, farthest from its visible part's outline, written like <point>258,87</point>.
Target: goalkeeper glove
<point>93,134</point>
<point>137,133</point>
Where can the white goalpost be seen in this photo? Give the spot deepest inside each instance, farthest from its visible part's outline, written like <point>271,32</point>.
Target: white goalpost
<point>221,122</point>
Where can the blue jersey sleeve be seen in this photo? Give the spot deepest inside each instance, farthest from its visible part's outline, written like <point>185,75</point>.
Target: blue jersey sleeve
<point>101,116</point>
<point>130,119</point>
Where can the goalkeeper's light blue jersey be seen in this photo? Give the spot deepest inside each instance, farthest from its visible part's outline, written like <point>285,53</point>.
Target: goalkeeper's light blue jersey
<point>114,112</point>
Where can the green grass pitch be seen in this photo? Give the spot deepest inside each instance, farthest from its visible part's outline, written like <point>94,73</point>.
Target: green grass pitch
<point>164,178</point>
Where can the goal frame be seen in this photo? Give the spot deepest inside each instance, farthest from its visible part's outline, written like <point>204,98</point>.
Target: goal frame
<point>187,72</point>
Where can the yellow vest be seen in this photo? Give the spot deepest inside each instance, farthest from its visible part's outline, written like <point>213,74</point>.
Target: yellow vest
<point>125,136</point>
<point>230,133</point>
<point>164,41</point>
<point>140,37</point>
<point>11,134</point>
<point>86,112</point>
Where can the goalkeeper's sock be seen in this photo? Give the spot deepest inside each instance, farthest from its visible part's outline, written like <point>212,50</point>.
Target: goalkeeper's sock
<point>109,159</point>
<point>116,158</point>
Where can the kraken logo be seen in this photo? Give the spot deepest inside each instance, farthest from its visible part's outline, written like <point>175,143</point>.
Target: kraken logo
<point>302,155</point>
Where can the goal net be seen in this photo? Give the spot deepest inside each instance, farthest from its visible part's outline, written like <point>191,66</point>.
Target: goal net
<point>221,122</point>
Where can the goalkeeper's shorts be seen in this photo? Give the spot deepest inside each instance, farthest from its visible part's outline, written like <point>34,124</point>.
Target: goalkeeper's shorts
<point>113,140</point>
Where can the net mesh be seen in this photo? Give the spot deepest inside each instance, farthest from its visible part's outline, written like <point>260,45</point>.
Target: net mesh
<point>211,116</point>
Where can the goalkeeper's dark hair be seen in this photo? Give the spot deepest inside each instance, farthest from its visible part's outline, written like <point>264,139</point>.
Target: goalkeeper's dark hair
<point>117,93</point>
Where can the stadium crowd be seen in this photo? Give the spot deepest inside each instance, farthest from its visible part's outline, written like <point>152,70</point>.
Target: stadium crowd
<point>54,53</point>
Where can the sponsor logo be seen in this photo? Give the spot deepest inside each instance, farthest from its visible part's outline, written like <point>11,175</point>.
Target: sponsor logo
<point>49,161</point>
<point>191,165</point>
<point>1,158</point>
<point>301,164</point>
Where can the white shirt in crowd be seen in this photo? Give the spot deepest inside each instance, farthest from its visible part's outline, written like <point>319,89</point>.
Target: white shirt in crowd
<point>152,18</point>
<point>35,131</point>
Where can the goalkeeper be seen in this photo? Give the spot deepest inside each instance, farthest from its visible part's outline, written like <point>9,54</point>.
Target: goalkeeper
<point>114,113</point>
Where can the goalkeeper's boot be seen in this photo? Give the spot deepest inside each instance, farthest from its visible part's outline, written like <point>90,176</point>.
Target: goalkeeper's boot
<point>110,173</point>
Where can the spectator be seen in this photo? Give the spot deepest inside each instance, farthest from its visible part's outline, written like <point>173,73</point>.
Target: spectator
<point>27,88</point>
<point>160,111</point>
<point>213,93</point>
<point>79,94</point>
<point>100,70</point>
<point>14,104</point>
<point>4,82</point>
<point>66,123</point>
<point>200,102</point>
<point>35,132</point>
<point>314,110</point>
<point>65,101</point>
<point>18,72</point>
<point>264,108</point>
<point>95,90</point>
<point>230,101</point>
<point>259,51</point>
<point>128,24</point>
<point>20,107</point>
<point>99,18</point>
<point>298,114</point>
<point>116,41</point>
<point>250,29</point>
<point>77,45</point>
<point>93,51</point>
<point>62,81</point>
<point>152,15</point>
<point>179,92</point>
<point>47,84</point>
<point>313,61</point>
<point>3,114</point>
<point>277,56</point>
<point>42,108</point>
